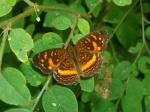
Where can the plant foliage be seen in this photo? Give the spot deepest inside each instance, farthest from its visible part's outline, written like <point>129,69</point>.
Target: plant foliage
<point>29,27</point>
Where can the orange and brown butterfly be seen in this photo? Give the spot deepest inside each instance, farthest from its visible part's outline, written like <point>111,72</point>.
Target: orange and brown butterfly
<point>67,65</point>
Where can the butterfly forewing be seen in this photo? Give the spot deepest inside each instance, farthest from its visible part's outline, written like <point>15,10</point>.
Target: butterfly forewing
<point>95,41</point>
<point>65,73</point>
<point>47,60</point>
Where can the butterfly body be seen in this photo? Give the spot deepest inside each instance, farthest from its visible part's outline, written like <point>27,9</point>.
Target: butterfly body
<point>67,65</point>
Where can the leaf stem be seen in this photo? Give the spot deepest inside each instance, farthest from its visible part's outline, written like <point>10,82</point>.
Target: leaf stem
<point>71,33</point>
<point>143,36</point>
<point>94,6</point>
<point>125,15</point>
<point>143,29</point>
<point>138,55</point>
<point>116,28</point>
<point>146,21</point>
<point>29,2</point>
<point>2,47</point>
<point>40,94</point>
<point>122,92</point>
<point>113,51</point>
<point>112,36</point>
<point>14,19</point>
<point>41,8</point>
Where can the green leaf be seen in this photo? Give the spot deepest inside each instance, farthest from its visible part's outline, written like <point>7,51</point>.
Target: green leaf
<point>49,40</point>
<point>94,5</point>
<point>19,23</point>
<point>52,15</point>
<point>104,106</point>
<point>7,46</point>
<point>79,8</point>
<point>122,2</point>
<point>146,8</point>
<point>135,88</point>
<point>46,2</point>
<point>135,71</point>
<point>147,103</point>
<point>13,87</point>
<point>33,77</point>
<point>52,3</point>
<point>6,17</point>
<point>76,38</point>
<point>115,88</point>
<point>30,29</point>
<point>6,6</point>
<point>83,26</point>
<point>108,29</point>
<point>37,36</point>
<point>143,64</point>
<point>130,38</point>
<point>147,32</point>
<point>131,104</point>
<point>18,110</point>
<point>123,70</point>
<point>59,99</point>
<point>87,84</point>
<point>146,85</point>
<point>20,43</point>
<point>111,15</point>
<point>107,56</point>
<point>81,107</point>
<point>61,23</point>
<point>135,49</point>
<point>90,97</point>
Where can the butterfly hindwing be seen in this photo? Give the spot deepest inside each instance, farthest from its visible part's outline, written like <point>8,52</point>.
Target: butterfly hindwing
<point>66,73</point>
<point>90,62</point>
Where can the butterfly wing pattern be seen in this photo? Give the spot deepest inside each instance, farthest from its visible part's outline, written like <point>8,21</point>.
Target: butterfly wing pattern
<point>66,73</point>
<point>88,49</point>
<point>84,59</point>
<point>90,63</point>
<point>47,60</point>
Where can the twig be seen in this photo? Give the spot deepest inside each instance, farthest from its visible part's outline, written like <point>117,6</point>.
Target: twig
<point>40,94</point>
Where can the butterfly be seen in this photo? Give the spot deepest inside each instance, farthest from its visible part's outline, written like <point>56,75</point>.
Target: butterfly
<point>67,65</point>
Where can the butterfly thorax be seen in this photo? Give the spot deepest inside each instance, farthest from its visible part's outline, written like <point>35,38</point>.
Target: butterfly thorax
<point>73,55</point>
<point>71,51</point>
